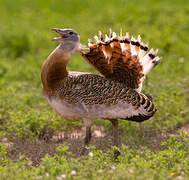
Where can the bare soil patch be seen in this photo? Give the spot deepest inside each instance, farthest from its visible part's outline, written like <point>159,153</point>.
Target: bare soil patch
<point>36,149</point>
<point>185,129</point>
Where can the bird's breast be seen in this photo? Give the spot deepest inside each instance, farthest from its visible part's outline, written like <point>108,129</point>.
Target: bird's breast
<point>77,111</point>
<point>62,108</point>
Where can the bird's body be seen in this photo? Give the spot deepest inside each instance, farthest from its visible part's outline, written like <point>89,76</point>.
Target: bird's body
<point>92,96</point>
<point>86,96</point>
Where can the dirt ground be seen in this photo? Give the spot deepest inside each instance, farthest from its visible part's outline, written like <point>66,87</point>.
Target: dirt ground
<point>36,149</point>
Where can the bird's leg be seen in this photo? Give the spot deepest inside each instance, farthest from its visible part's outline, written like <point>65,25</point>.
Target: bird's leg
<point>87,136</point>
<point>115,124</point>
<point>87,139</point>
<point>115,131</point>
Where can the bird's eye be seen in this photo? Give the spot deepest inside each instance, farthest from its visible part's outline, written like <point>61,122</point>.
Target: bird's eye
<point>70,33</point>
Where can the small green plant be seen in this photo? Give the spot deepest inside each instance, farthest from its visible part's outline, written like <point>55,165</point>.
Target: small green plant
<point>3,152</point>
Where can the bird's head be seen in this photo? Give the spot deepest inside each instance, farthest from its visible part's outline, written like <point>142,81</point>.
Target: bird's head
<point>68,38</point>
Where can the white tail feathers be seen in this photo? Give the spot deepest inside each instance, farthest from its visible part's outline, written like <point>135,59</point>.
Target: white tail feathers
<point>135,46</point>
<point>90,43</point>
<point>139,39</point>
<point>130,48</point>
<point>148,67</point>
<point>149,61</point>
<point>142,51</point>
<point>127,35</point>
<point>106,38</point>
<point>96,39</point>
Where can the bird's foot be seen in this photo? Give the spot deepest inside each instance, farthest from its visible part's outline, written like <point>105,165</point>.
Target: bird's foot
<point>84,150</point>
<point>116,154</point>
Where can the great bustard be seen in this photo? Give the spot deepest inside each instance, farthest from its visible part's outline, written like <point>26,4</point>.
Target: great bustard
<point>123,62</point>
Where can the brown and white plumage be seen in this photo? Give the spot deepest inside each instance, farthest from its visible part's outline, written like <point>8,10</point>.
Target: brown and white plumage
<point>121,59</point>
<point>77,95</point>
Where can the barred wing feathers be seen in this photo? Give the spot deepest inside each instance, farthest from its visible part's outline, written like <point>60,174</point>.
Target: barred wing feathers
<point>121,59</point>
<point>94,96</point>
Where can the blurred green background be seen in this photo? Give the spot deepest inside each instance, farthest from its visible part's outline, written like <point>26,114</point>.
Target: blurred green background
<point>26,41</point>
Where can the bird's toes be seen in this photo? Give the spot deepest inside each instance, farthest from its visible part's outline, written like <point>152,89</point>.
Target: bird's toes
<point>116,154</point>
<point>84,150</point>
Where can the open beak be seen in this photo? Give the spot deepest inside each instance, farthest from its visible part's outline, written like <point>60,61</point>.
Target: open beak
<point>60,32</point>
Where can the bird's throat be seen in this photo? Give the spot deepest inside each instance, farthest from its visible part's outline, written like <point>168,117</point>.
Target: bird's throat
<point>54,69</point>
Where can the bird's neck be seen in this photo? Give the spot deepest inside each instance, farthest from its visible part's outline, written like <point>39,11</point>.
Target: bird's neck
<point>54,68</point>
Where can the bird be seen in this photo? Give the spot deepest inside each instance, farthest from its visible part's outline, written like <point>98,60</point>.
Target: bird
<point>113,95</point>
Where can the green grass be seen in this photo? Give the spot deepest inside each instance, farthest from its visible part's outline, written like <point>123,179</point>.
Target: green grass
<point>25,42</point>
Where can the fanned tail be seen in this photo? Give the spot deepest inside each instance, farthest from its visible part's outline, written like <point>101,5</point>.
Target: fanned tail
<point>126,60</point>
